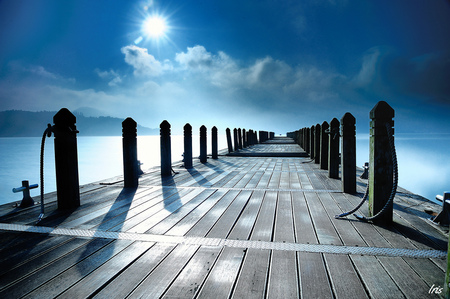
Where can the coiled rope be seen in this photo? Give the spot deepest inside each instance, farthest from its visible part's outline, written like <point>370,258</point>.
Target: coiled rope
<point>47,133</point>
<point>390,201</point>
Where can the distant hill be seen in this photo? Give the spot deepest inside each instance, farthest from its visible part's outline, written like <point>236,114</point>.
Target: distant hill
<point>17,123</point>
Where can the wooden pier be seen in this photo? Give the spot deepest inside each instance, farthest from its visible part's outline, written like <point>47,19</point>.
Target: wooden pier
<point>256,224</point>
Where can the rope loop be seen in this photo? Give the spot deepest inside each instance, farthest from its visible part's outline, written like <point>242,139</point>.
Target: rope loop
<point>390,201</point>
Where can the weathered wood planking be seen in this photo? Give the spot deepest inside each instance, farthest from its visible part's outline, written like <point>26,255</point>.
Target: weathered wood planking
<point>277,199</point>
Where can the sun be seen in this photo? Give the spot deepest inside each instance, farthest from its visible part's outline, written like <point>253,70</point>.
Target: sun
<point>154,27</point>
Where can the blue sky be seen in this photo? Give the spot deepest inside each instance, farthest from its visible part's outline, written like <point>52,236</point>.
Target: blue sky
<point>269,65</point>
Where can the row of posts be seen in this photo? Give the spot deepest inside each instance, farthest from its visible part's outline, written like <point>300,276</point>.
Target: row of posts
<point>321,142</point>
<point>66,157</point>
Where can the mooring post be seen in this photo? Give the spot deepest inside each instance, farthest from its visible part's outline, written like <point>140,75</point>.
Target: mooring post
<point>214,143</point>
<point>324,145</point>
<point>307,140</point>
<point>129,150</point>
<point>66,160</point>
<point>312,142</point>
<point>166,149</point>
<point>317,131</point>
<point>203,144</point>
<point>333,154</point>
<point>348,156</point>
<point>230,145</point>
<point>244,138</point>
<point>235,139</point>
<point>380,161</point>
<point>240,138</point>
<point>187,158</point>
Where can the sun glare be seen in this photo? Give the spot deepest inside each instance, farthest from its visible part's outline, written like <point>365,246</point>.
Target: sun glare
<point>154,27</point>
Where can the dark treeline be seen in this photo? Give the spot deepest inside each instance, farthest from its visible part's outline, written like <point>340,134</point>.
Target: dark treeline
<point>18,123</point>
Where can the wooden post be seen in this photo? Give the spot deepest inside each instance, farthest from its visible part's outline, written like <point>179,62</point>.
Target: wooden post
<point>447,273</point>
<point>214,142</point>
<point>333,153</point>
<point>348,156</point>
<point>166,149</point>
<point>240,138</point>
<point>129,149</point>
<point>66,160</point>
<point>324,145</point>
<point>380,161</point>
<point>307,140</point>
<point>244,138</point>
<point>230,145</point>
<point>312,142</point>
<point>317,131</point>
<point>187,130</point>
<point>203,145</point>
<point>235,137</point>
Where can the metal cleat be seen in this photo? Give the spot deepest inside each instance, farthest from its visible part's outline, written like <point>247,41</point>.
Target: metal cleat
<point>27,201</point>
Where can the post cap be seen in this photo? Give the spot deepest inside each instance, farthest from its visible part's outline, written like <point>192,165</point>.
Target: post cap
<point>64,118</point>
<point>382,110</point>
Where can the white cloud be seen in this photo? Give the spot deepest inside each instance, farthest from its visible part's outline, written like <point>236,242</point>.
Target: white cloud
<point>111,75</point>
<point>144,64</point>
<point>195,57</point>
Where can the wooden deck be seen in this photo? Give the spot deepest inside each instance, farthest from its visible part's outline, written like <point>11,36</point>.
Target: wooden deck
<point>241,227</point>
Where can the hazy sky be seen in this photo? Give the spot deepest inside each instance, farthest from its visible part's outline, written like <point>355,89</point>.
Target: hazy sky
<point>269,65</point>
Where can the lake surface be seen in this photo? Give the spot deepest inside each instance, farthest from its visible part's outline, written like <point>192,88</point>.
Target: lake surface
<point>423,161</point>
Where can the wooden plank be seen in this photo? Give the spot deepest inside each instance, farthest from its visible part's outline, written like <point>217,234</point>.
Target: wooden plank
<point>151,217</point>
<point>304,229</point>
<point>313,276</point>
<point>188,282</point>
<point>377,281</point>
<point>173,218</point>
<point>252,279</point>
<point>59,283</point>
<point>202,227</point>
<point>283,281</point>
<point>58,266</point>
<point>154,285</point>
<point>15,273</point>
<point>283,278</point>
<point>223,226</point>
<point>188,222</point>
<point>221,280</point>
<point>127,281</point>
<point>344,278</point>
<point>246,221</point>
<point>405,277</point>
<point>263,229</point>
<point>324,228</point>
<point>90,283</point>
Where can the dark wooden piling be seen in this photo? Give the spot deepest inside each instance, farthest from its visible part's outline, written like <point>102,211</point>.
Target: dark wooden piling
<point>203,144</point>
<point>312,141</point>
<point>324,145</point>
<point>317,131</point>
<point>380,161</point>
<point>129,150</point>
<point>307,147</point>
<point>214,143</point>
<point>66,160</point>
<point>166,149</point>
<point>229,143</point>
<point>333,154</point>
<point>240,138</point>
<point>187,130</point>
<point>348,155</point>
<point>244,138</point>
<point>235,137</point>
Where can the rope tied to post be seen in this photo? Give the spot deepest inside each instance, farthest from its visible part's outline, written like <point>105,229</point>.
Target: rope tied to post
<point>390,201</point>
<point>47,133</point>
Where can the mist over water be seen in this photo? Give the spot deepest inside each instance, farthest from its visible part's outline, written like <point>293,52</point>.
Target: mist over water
<point>423,161</point>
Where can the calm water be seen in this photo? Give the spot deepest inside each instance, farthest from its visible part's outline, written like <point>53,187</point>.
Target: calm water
<point>423,161</point>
